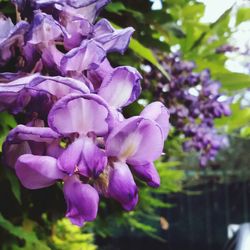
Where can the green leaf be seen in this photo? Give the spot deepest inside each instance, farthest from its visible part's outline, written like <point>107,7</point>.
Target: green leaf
<point>115,7</point>
<point>19,232</point>
<point>144,53</point>
<point>147,54</point>
<point>218,28</point>
<point>14,184</point>
<point>233,81</point>
<point>138,225</point>
<point>119,7</point>
<point>243,15</point>
<point>245,132</point>
<point>7,122</point>
<point>240,118</point>
<point>66,236</point>
<point>168,164</point>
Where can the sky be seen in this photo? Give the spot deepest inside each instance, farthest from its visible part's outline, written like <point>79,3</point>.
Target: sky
<point>241,37</point>
<point>214,8</point>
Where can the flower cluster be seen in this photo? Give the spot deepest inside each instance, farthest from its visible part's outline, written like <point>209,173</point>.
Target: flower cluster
<point>69,100</point>
<point>194,102</point>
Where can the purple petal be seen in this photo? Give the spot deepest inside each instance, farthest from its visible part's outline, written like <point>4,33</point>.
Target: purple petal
<point>79,29</point>
<point>6,27</point>
<point>54,149</point>
<point>7,77</point>
<point>135,140</point>
<point>80,114</point>
<point>45,3</point>
<point>80,3</point>
<point>30,140</point>
<point>35,102</point>
<point>83,156</point>
<point>88,56</point>
<point>9,92</point>
<point>147,173</point>
<point>51,58</point>
<point>93,160</point>
<point>10,35</point>
<point>11,152</point>
<point>58,86</point>
<point>79,76</point>
<point>36,134</point>
<point>122,186</point>
<point>15,85</point>
<point>89,12</point>
<point>96,76</point>
<point>73,3</point>
<point>69,159</point>
<point>44,29</point>
<point>112,40</point>
<point>36,172</point>
<point>158,112</point>
<point>122,87</point>
<point>32,57</point>
<point>82,201</point>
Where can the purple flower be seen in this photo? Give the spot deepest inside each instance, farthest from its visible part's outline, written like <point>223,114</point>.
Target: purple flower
<point>194,102</point>
<point>132,145</point>
<point>82,200</point>
<point>70,99</point>
<point>78,28</point>
<point>112,40</point>
<point>37,171</point>
<point>121,87</point>
<point>86,9</point>
<point>86,114</point>
<point>11,35</point>
<point>82,58</point>
<point>30,146</point>
<point>37,140</point>
<point>41,171</point>
<point>45,31</point>
<point>159,113</point>
<point>135,142</point>
<point>37,93</point>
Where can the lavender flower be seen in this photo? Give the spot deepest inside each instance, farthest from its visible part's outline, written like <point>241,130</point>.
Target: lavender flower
<point>98,152</point>
<point>194,102</point>
<point>71,103</point>
<point>11,37</point>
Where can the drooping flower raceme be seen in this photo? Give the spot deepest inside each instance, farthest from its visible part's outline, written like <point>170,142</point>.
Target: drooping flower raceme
<point>71,103</point>
<point>194,101</point>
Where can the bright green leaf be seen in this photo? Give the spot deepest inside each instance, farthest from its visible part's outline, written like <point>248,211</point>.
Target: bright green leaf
<point>233,81</point>
<point>243,15</point>
<point>145,53</point>
<point>115,7</point>
<point>245,132</point>
<point>240,118</point>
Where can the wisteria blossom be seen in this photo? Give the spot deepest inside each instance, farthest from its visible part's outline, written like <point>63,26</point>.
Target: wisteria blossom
<point>194,101</point>
<point>70,99</point>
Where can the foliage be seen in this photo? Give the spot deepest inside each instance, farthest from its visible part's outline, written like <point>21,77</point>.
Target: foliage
<point>146,217</point>
<point>23,232</point>
<point>66,236</point>
<point>7,122</point>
